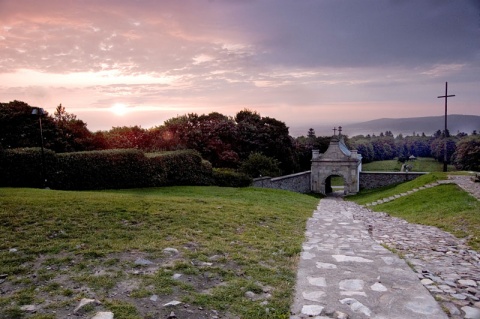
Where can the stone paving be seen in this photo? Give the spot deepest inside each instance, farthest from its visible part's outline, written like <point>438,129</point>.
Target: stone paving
<point>345,271</point>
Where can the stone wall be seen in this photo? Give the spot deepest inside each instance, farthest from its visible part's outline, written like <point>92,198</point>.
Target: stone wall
<point>299,182</point>
<point>369,180</point>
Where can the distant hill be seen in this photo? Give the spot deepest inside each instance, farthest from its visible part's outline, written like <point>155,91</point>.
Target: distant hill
<point>406,126</point>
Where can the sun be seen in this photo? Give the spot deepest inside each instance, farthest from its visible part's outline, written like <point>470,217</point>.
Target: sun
<point>119,109</point>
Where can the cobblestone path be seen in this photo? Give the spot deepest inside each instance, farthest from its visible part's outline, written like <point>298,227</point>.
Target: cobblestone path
<point>345,272</point>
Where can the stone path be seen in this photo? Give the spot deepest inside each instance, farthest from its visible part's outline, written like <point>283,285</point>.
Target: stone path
<point>345,272</point>
<point>467,184</point>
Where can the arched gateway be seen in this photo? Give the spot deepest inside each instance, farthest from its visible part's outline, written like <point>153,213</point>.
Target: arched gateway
<point>338,160</point>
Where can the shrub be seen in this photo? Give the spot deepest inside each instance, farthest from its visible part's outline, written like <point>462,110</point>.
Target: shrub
<point>229,178</point>
<point>112,169</point>
<point>22,167</point>
<point>257,165</point>
<point>184,167</point>
<point>467,154</point>
<point>125,168</point>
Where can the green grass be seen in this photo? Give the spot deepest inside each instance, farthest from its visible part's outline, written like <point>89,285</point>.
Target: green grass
<point>257,232</point>
<point>337,181</point>
<point>421,164</point>
<point>372,195</point>
<point>445,206</point>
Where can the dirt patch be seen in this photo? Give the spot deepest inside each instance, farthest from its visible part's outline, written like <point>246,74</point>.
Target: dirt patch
<point>135,283</point>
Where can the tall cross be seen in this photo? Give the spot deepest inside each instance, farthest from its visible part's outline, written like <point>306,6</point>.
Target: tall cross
<point>446,96</point>
<point>334,131</point>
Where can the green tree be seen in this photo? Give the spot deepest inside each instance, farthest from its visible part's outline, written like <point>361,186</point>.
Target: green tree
<point>437,147</point>
<point>258,165</point>
<point>72,134</point>
<point>311,137</point>
<point>19,128</point>
<point>127,137</point>
<point>467,154</point>
<point>266,135</point>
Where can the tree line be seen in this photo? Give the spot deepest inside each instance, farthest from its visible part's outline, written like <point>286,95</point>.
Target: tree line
<point>463,150</point>
<point>258,145</point>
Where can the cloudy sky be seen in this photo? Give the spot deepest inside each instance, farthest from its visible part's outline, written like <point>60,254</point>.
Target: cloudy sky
<point>304,62</point>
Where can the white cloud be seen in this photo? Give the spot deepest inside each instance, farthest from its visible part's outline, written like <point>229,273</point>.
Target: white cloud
<point>298,60</point>
<point>444,69</point>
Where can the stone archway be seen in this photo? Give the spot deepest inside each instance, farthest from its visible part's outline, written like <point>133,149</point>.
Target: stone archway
<point>338,160</point>
<point>330,181</point>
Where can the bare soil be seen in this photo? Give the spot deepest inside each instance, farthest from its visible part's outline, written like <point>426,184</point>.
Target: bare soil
<point>118,282</point>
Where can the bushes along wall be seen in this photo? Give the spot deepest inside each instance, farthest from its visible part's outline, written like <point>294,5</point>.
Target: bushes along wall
<point>111,169</point>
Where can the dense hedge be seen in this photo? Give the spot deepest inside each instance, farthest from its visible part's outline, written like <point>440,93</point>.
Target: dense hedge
<point>22,167</point>
<point>111,169</point>
<point>183,167</point>
<point>229,178</point>
<point>125,168</point>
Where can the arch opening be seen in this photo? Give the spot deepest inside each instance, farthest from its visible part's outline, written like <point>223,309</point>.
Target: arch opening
<point>335,184</point>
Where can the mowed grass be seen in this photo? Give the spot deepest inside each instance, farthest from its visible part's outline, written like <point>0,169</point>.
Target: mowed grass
<point>371,195</point>
<point>447,207</point>
<point>421,164</point>
<point>256,232</point>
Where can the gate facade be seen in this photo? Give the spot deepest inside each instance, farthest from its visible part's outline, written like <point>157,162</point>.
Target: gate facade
<point>338,160</point>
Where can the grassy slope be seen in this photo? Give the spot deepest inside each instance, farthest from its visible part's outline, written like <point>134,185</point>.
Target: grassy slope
<point>258,231</point>
<point>372,195</point>
<point>446,206</point>
<point>421,164</point>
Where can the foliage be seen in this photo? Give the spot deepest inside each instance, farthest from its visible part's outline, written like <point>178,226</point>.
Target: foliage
<point>102,169</point>
<point>112,169</point>
<point>414,145</point>
<point>420,164</point>
<point>438,148</point>
<point>375,148</point>
<point>23,167</point>
<point>183,167</point>
<point>126,137</point>
<point>257,165</point>
<point>19,128</point>
<point>230,178</point>
<point>222,140</point>
<point>61,230</point>
<point>385,146</point>
<point>71,133</point>
<point>467,154</point>
<point>225,141</point>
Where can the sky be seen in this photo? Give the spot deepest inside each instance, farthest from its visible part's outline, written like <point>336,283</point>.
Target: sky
<point>304,62</point>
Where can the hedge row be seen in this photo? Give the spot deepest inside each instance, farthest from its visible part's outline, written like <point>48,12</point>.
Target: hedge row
<point>111,169</point>
<point>23,167</point>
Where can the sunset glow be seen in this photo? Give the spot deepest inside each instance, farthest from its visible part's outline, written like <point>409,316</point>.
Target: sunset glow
<point>119,109</point>
<point>306,63</point>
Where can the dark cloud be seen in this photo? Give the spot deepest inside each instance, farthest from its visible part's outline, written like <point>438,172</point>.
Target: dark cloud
<point>157,36</point>
<point>364,33</point>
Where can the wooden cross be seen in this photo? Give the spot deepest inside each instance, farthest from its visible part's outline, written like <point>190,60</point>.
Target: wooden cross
<point>334,131</point>
<point>446,96</point>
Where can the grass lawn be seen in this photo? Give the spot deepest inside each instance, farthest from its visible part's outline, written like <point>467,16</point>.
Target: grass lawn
<point>57,247</point>
<point>371,195</point>
<point>447,207</point>
<point>421,164</point>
